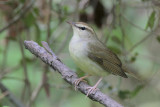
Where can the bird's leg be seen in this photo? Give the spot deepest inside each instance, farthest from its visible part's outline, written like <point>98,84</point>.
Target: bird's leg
<point>79,80</point>
<point>94,88</point>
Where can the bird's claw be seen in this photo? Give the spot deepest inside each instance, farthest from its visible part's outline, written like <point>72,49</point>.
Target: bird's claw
<point>91,89</point>
<point>77,82</point>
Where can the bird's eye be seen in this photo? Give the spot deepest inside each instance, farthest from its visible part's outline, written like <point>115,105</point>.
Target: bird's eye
<point>82,28</point>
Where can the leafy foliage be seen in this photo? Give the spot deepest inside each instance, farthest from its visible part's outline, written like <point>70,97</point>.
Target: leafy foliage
<point>151,20</point>
<point>124,24</point>
<point>158,39</point>
<point>125,94</point>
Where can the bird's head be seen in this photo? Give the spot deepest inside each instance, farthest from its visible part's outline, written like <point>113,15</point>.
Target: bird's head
<point>82,30</point>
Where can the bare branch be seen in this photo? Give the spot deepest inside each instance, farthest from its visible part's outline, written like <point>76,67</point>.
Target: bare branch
<point>27,84</point>
<point>19,16</point>
<point>49,20</point>
<point>83,4</point>
<point>64,42</point>
<point>68,75</point>
<point>35,93</point>
<point>10,96</point>
<point>138,27</point>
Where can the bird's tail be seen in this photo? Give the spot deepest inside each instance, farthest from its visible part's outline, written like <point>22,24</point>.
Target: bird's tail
<point>131,73</point>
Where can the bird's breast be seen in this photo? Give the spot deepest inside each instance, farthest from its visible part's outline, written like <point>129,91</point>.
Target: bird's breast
<point>79,53</point>
<point>78,48</point>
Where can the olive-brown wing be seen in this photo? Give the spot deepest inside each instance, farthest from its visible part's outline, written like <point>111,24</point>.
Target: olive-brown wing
<point>100,49</point>
<point>106,59</point>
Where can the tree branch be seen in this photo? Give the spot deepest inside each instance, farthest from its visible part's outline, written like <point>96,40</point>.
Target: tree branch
<point>19,16</point>
<point>11,97</point>
<point>67,74</point>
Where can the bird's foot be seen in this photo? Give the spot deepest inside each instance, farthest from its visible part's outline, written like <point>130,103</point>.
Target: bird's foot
<point>79,80</point>
<point>92,89</point>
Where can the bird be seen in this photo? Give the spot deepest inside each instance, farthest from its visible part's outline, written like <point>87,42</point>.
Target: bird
<point>92,56</point>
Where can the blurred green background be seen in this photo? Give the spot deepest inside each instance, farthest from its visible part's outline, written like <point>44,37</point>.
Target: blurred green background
<point>130,28</point>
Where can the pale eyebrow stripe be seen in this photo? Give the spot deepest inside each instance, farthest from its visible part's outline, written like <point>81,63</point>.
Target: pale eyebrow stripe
<point>87,28</point>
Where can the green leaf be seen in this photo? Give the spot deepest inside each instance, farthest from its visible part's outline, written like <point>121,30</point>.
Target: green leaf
<point>80,73</point>
<point>110,87</point>
<point>136,91</point>
<point>115,49</point>
<point>123,94</point>
<point>136,54</point>
<point>36,11</point>
<point>133,58</point>
<point>65,9</point>
<point>158,39</point>
<point>116,40</point>
<point>129,94</point>
<point>151,20</point>
<point>37,33</point>
<point>29,19</point>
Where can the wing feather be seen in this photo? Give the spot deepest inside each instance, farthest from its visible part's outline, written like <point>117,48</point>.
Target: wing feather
<point>105,58</point>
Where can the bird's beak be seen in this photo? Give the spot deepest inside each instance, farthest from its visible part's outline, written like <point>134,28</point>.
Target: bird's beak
<point>71,23</point>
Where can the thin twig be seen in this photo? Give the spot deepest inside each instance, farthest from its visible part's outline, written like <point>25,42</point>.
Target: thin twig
<point>153,32</point>
<point>64,42</point>
<point>26,79</point>
<point>49,21</point>
<point>60,86</point>
<point>111,25</point>
<point>13,78</point>
<point>4,72</point>
<point>123,32</point>
<point>139,42</point>
<point>82,4</point>
<point>35,93</point>
<point>19,16</point>
<point>68,75</point>
<point>4,60</point>
<point>138,27</point>
<point>3,95</point>
<point>121,26</point>
<point>11,97</point>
